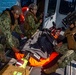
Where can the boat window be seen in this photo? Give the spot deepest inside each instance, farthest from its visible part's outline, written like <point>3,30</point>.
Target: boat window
<point>67,6</point>
<point>26,2</point>
<point>51,7</point>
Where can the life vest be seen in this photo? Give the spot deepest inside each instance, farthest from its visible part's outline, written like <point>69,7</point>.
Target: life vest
<point>43,62</point>
<point>24,9</point>
<point>22,17</point>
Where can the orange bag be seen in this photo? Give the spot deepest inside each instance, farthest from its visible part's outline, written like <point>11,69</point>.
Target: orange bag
<point>43,62</point>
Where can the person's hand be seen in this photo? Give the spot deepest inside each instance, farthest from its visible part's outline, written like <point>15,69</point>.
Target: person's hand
<point>73,33</point>
<point>59,44</point>
<point>15,49</point>
<point>41,15</point>
<point>40,20</point>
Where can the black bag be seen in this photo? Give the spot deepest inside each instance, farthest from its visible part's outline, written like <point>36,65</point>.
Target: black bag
<point>46,43</point>
<point>34,48</point>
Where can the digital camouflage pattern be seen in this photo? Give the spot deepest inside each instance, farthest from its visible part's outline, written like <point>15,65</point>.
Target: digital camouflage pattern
<point>63,50</point>
<point>16,28</point>
<point>6,29</point>
<point>31,24</point>
<point>2,54</point>
<point>5,22</point>
<point>6,39</point>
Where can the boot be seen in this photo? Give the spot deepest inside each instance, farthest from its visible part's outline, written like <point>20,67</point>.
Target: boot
<point>3,57</point>
<point>2,53</point>
<point>51,69</point>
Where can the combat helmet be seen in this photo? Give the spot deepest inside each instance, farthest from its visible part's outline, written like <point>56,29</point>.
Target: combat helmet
<point>32,6</point>
<point>16,9</point>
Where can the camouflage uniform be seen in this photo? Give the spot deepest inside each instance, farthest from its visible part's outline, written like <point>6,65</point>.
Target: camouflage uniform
<point>31,24</point>
<point>5,33</point>
<point>71,45</point>
<point>63,50</point>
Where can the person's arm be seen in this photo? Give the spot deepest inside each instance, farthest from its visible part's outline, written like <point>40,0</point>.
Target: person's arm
<point>5,28</point>
<point>67,32</point>
<point>15,49</point>
<point>74,31</point>
<point>18,29</point>
<point>32,22</point>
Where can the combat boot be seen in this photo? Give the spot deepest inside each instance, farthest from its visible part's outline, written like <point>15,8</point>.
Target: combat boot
<point>2,54</point>
<point>51,69</point>
<point>3,57</point>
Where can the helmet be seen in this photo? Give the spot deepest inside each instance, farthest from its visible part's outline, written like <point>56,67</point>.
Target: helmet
<point>33,6</point>
<point>16,9</point>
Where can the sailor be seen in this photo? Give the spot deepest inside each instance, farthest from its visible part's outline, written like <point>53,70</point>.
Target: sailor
<point>8,24</point>
<point>31,22</point>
